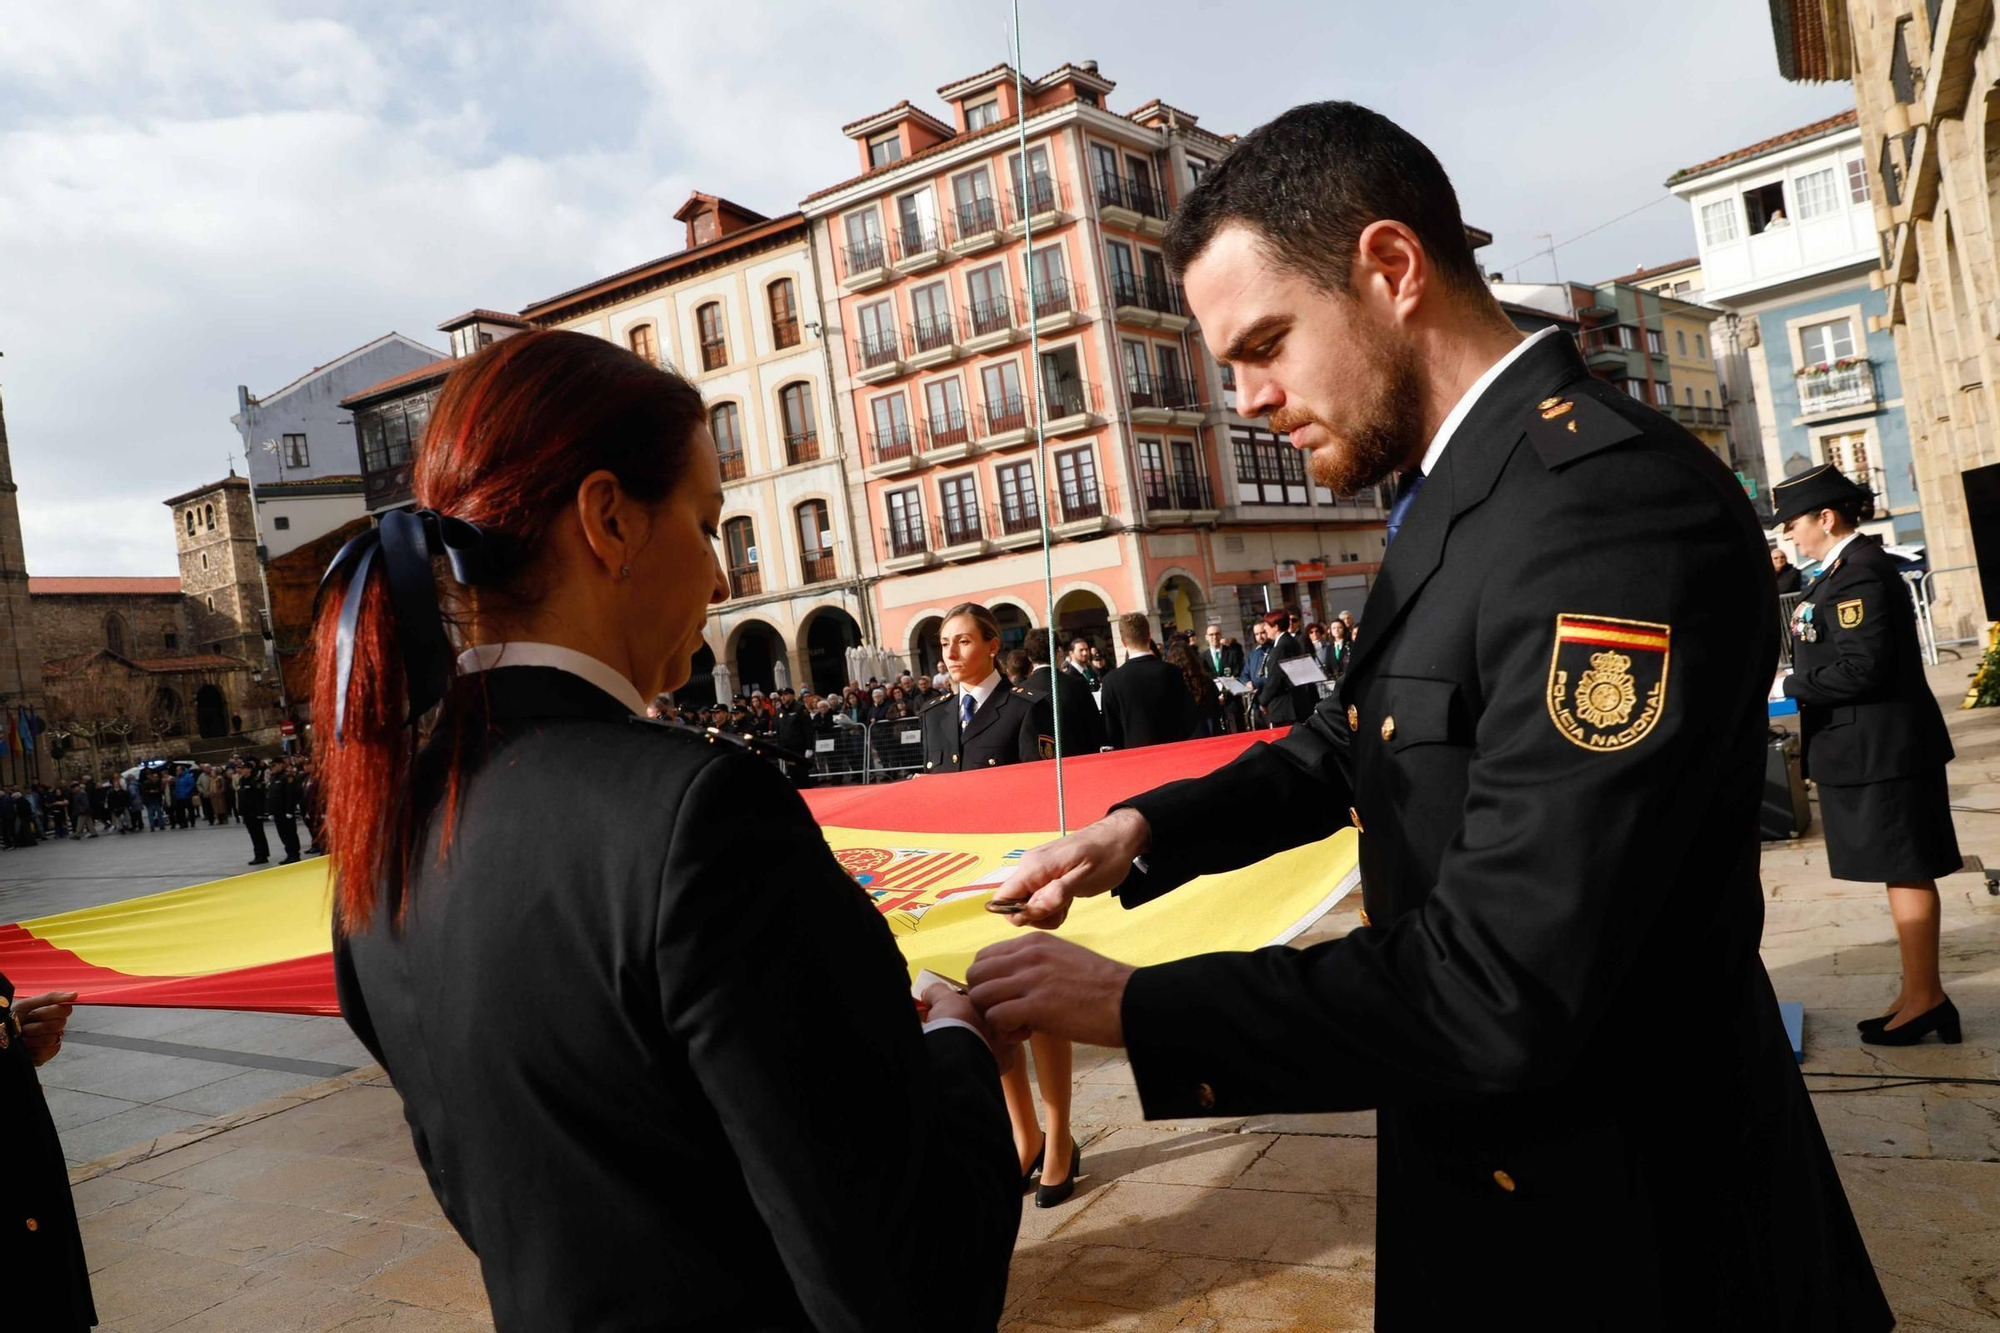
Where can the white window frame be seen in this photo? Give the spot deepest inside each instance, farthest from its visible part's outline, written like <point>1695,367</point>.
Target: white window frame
<point>1816,193</point>
<point>979,115</point>
<point>1806,332</point>
<point>1724,212</point>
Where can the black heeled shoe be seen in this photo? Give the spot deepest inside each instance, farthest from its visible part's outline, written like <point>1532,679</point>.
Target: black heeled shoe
<point>1880,1020</point>
<point>1942,1020</point>
<point>1048,1196</point>
<point>1033,1178</point>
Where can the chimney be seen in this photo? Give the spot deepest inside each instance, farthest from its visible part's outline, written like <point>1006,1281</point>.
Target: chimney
<point>1087,66</point>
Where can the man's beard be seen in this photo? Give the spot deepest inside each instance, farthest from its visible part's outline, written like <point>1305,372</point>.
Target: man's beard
<point>1380,438</point>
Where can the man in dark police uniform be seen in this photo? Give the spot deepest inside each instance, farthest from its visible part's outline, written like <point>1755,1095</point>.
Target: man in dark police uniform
<point>1048,691</point>
<point>1551,740</point>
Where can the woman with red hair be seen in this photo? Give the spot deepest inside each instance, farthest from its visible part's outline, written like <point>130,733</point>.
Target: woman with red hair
<point>608,1025</point>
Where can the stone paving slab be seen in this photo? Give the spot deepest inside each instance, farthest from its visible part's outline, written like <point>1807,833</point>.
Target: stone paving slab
<point>308,1212</point>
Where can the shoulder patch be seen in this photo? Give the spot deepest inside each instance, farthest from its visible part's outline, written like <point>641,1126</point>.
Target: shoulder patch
<point>1576,424</point>
<point>1849,613</point>
<point>1608,680</point>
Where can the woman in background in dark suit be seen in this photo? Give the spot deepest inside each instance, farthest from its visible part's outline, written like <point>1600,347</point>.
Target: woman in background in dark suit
<point>608,1034</point>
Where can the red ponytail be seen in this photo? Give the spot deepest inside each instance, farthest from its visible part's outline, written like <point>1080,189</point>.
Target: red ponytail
<point>516,430</point>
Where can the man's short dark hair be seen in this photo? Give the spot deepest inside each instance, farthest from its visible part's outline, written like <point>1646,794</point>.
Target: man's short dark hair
<point>1040,651</point>
<point>1311,181</point>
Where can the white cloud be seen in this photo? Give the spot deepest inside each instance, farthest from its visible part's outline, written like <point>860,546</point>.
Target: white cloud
<point>198,196</point>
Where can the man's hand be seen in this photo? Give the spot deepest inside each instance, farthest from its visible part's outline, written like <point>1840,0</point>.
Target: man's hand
<point>1042,984</point>
<point>1088,862</point>
<point>42,1019</point>
<point>941,1001</point>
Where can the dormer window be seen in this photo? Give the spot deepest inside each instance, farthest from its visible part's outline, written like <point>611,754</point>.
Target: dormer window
<point>981,114</point>
<point>884,149</point>
<point>1087,97</point>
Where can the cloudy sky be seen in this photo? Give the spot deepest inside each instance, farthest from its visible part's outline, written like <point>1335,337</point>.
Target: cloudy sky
<point>197,196</point>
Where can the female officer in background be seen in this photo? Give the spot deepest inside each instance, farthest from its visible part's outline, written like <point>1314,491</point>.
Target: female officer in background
<point>984,723</point>
<point>607,1019</point>
<point>979,724</point>
<point>1875,741</point>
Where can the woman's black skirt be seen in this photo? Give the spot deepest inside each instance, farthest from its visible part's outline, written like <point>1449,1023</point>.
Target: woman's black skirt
<point>1891,832</point>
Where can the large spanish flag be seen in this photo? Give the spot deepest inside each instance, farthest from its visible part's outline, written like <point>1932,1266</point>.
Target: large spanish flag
<point>930,852</point>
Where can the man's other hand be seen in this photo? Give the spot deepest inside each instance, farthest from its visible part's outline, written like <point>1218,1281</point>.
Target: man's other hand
<point>42,1019</point>
<point>1041,984</point>
<point>941,1001</point>
<point>1088,862</point>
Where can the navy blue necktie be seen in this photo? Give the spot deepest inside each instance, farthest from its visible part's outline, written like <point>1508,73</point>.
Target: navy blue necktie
<point>1406,493</point>
<point>965,710</point>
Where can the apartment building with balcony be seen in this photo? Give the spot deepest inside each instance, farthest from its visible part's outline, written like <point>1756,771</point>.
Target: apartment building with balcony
<point>737,311</point>
<point>1158,496</point>
<point>1927,96</point>
<point>1654,348</point>
<point>1786,229</point>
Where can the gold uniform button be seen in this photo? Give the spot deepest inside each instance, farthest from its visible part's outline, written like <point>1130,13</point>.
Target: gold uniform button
<point>1364,918</point>
<point>1504,1181</point>
<point>1353,718</point>
<point>33,1225</point>
<point>1204,1097</point>
<point>991,762</point>
<point>1355,816</point>
<point>1389,728</point>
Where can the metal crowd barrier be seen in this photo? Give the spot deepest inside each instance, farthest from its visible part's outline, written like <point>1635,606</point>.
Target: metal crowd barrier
<point>1923,591</point>
<point>841,758</point>
<point>1787,603</point>
<point>895,749</point>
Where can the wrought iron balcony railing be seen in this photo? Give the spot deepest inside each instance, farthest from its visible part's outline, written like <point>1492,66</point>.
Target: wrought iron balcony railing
<point>732,465</point>
<point>865,255</point>
<point>879,350</point>
<point>746,582</point>
<point>1170,391</point>
<point>984,317</point>
<point>976,218</point>
<point>891,444</point>
<point>1130,192</point>
<point>1838,390</point>
<point>947,428</point>
<point>801,446</point>
<point>817,566</point>
<point>928,335</point>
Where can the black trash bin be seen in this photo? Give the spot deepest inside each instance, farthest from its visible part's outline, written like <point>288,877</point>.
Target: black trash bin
<point>1786,813</point>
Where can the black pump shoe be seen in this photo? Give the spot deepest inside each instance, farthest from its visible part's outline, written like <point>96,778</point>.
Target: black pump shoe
<point>1033,1178</point>
<point>1048,1196</point>
<point>1942,1020</point>
<point>1880,1020</point>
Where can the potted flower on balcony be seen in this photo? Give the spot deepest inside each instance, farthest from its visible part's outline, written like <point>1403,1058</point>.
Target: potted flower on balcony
<point>1825,368</point>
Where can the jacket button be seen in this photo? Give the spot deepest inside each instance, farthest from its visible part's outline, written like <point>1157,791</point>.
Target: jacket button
<point>1204,1097</point>
<point>1364,918</point>
<point>932,764</point>
<point>991,762</point>
<point>1353,718</point>
<point>1355,815</point>
<point>1504,1181</point>
<point>33,1225</point>
<point>1389,728</point>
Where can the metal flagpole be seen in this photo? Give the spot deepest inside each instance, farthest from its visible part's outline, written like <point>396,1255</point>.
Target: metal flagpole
<point>1024,200</point>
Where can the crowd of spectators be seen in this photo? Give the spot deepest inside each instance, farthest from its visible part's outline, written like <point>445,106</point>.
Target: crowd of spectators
<point>164,797</point>
<point>795,721</point>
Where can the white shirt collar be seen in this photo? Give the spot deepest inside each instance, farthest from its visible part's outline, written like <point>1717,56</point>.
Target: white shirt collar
<point>486,656</point>
<point>1465,404</point>
<point>983,690</point>
<point>1826,563</point>
<point>1131,653</point>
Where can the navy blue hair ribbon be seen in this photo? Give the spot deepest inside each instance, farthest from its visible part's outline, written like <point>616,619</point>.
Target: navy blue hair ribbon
<point>402,545</point>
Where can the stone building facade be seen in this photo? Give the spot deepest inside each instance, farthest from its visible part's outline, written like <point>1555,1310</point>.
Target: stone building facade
<point>215,536</point>
<point>20,645</point>
<point>133,617</point>
<point>1927,97</point>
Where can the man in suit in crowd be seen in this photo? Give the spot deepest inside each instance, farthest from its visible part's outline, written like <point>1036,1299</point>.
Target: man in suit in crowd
<point>1051,690</point>
<point>1146,700</point>
<point>1080,666</point>
<point>1558,834</point>
<point>1786,572</point>
<point>1224,657</point>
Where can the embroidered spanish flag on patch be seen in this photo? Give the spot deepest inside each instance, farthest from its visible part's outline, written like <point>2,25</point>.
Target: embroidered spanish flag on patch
<point>1607,680</point>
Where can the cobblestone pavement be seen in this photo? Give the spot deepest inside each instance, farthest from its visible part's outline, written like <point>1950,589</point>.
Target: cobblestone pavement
<point>128,1074</point>
<point>309,1213</point>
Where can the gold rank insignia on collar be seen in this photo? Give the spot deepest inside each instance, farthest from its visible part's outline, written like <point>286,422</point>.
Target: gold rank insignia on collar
<point>1555,407</point>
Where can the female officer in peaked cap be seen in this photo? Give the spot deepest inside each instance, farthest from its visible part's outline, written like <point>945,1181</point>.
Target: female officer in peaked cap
<point>1875,742</point>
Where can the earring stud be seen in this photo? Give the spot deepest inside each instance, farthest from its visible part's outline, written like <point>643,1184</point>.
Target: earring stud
<point>624,571</point>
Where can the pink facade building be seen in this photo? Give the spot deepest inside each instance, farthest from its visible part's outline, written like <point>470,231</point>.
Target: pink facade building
<point>1159,496</point>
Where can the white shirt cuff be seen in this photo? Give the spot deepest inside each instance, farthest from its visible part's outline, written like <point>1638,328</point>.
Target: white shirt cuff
<point>939,1024</point>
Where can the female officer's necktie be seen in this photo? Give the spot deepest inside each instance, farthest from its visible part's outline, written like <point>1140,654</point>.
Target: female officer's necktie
<point>965,710</point>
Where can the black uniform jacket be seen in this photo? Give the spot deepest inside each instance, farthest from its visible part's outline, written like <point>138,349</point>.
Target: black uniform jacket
<point>1146,702</point>
<point>662,1066</point>
<point>1552,738</point>
<point>1865,711</point>
<point>48,1290</point>
<point>1286,703</point>
<point>1082,725</point>
<point>1232,659</point>
<point>993,738</point>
